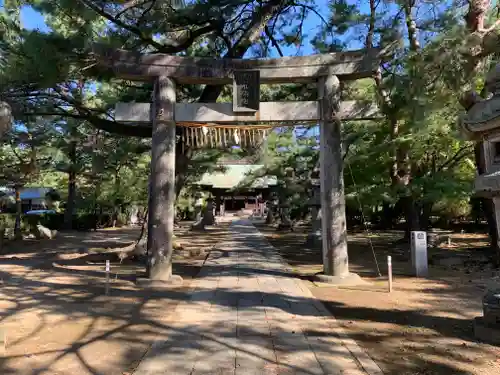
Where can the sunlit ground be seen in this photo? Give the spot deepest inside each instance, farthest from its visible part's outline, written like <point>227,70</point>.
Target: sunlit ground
<point>425,325</point>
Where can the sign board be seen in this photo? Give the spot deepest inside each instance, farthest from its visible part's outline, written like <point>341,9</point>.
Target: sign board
<point>419,253</point>
<point>246,90</point>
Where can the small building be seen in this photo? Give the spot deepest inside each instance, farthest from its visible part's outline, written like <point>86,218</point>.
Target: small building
<point>32,198</point>
<point>235,188</point>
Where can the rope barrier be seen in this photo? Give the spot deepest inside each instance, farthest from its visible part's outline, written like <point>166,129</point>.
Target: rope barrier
<point>367,230</point>
<point>242,126</point>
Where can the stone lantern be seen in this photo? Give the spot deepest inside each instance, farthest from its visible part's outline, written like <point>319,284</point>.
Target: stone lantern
<point>272,208</point>
<point>284,208</point>
<point>284,203</point>
<point>261,208</point>
<point>487,327</point>
<point>209,214</point>
<point>482,123</point>
<point>198,206</point>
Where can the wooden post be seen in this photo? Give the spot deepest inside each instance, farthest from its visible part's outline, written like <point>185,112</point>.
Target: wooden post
<point>161,225</point>
<point>108,269</point>
<point>334,231</point>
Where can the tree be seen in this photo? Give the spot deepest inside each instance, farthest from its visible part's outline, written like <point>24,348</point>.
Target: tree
<point>22,159</point>
<point>407,164</point>
<point>228,31</point>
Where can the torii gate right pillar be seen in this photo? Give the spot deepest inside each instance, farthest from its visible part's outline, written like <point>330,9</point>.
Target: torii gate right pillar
<point>334,230</point>
<point>333,222</point>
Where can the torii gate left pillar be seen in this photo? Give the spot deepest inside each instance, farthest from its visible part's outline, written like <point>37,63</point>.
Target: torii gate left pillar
<point>162,210</point>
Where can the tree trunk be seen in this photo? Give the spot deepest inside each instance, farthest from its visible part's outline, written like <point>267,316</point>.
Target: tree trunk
<point>116,203</point>
<point>400,168</point>
<point>182,158</point>
<point>425,218</point>
<point>70,205</point>
<point>2,235</point>
<point>97,215</point>
<point>19,212</point>
<point>388,216</point>
<point>412,213</point>
<point>144,227</point>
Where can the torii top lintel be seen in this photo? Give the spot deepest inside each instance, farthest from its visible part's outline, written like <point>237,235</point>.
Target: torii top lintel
<point>349,65</point>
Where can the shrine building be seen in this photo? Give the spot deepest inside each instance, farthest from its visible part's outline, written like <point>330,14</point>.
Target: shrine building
<point>235,189</point>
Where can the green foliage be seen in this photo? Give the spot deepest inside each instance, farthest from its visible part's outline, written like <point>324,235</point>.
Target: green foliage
<point>7,221</point>
<point>62,100</point>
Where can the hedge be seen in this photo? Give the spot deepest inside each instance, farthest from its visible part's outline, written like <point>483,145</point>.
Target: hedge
<point>55,221</point>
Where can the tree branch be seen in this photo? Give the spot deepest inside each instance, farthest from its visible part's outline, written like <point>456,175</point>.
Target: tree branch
<point>251,35</point>
<point>348,145</point>
<point>175,47</point>
<point>459,155</point>
<point>312,10</point>
<point>131,4</point>
<point>273,40</point>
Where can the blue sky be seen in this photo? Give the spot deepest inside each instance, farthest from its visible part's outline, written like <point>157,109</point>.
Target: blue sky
<point>32,20</point>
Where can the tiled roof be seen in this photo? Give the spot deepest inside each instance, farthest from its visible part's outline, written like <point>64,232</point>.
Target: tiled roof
<point>237,175</point>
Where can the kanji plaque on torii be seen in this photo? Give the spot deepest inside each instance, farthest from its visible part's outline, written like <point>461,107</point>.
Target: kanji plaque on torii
<point>246,91</point>
<point>164,114</point>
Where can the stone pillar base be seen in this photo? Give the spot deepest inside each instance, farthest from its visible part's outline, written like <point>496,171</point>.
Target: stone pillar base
<point>173,280</point>
<point>487,333</point>
<point>350,279</point>
<point>199,225</point>
<point>285,226</point>
<point>313,239</point>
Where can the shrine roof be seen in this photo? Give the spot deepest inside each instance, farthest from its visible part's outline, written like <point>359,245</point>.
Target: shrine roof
<point>237,175</point>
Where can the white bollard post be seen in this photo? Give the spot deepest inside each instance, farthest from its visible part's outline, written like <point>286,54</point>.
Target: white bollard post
<point>419,253</point>
<point>107,277</point>
<point>389,272</point>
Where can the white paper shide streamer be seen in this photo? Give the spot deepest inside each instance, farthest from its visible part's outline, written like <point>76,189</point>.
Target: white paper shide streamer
<point>221,137</point>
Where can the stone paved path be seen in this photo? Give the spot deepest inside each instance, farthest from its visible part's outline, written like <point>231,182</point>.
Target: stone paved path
<point>247,317</point>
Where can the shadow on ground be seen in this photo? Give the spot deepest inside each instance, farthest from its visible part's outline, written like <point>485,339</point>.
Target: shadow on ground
<point>424,326</point>
<point>56,316</point>
<point>58,320</point>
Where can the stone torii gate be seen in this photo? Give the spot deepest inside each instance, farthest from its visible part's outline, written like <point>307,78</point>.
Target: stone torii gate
<point>246,75</point>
